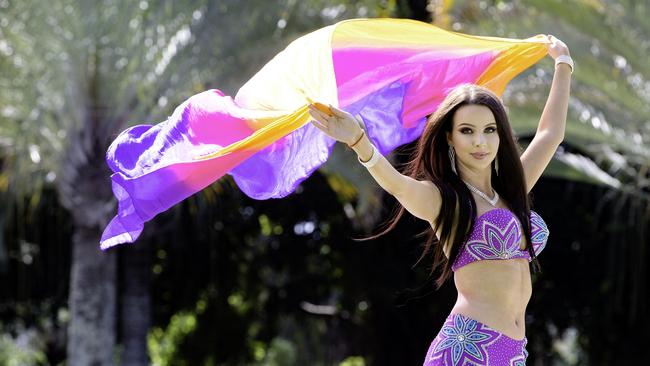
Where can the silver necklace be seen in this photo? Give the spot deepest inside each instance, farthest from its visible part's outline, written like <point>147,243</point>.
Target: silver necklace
<point>492,201</point>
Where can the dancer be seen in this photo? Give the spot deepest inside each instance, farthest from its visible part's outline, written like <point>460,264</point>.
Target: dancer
<point>468,180</point>
<point>392,72</point>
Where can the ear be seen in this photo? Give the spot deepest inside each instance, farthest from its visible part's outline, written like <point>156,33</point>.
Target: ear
<point>448,135</point>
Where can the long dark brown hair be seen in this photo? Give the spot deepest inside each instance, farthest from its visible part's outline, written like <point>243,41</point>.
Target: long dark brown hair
<point>430,161</point>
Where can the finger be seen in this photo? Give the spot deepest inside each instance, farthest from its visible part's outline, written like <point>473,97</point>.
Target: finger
<point>320,116</point>
<point>338,113</point>
<point>555,40</point>
<point>322,107</point>
<point>319,126</point>
<point>323,117</point>
<point>320,123</point>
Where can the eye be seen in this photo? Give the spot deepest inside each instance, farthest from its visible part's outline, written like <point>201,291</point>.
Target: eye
<point>491,129</point>
<point>466,130</point>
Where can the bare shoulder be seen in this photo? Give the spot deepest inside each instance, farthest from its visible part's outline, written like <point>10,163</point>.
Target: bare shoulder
<point>421,198</point>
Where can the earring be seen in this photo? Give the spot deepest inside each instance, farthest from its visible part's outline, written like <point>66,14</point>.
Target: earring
<point>496,165</point>
<point>452,159</point>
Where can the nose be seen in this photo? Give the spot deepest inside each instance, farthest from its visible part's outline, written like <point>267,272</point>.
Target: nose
<point>479,140</point>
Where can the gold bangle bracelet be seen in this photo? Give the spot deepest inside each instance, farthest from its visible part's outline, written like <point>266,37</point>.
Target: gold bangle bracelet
<point>359,139</point>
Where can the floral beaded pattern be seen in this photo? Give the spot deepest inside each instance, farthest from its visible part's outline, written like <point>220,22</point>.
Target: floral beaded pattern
<point>463,341</point>
<point>538,232</point>
<point>497,235</point>
<point>466,340</point>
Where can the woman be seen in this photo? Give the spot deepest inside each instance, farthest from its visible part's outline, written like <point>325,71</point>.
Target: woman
<point>469,182</point>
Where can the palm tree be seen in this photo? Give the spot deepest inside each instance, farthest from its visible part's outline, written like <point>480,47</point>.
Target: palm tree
<point>75,74</point>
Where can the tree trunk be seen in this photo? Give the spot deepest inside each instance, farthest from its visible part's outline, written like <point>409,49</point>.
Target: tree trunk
<point>91,333</point>
<point>136,304</point>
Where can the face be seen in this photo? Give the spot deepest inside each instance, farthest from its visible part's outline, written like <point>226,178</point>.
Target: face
<point>474,137</point>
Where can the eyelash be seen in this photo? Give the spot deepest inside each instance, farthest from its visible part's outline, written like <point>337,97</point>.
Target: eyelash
<point>488,130</point>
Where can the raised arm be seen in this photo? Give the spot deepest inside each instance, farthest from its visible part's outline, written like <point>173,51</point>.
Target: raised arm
<point>552,124</point>
<point>421,198</point>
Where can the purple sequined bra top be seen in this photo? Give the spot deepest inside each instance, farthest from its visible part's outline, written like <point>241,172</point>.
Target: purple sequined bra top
<point>497,235</point>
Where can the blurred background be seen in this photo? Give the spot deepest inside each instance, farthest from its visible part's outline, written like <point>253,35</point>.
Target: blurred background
<point>222,279</point>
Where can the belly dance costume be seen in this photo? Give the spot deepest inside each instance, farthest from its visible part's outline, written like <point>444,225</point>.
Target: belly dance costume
<point>463,341</point>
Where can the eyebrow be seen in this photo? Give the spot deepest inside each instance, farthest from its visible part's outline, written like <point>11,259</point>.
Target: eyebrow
<point>471,125</point>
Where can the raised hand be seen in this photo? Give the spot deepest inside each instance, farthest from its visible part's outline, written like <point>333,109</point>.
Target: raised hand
<point>556,47</point>
<point>340,125</point>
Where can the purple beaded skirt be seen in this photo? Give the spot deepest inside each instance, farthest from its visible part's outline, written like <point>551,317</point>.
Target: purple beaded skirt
<point>463,341</point>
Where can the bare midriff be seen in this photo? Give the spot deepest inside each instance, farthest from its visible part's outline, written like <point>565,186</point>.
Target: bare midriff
<point>495,293</point>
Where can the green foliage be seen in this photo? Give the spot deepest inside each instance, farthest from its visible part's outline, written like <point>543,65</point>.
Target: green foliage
<point>353,361</point>
<point>24,350</point>
<point>163,343</point>
<point>281,352</point>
